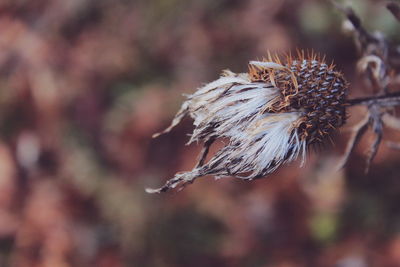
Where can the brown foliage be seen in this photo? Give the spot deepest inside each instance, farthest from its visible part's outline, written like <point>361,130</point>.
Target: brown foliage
<point>84,85</point>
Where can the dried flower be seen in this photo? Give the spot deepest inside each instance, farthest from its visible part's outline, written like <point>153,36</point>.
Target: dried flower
<point>268,116</point>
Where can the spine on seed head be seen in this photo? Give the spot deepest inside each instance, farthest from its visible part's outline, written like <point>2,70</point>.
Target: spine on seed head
<point>310,85</point>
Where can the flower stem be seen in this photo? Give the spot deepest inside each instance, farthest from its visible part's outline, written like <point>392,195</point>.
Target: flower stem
<point>388,100</point>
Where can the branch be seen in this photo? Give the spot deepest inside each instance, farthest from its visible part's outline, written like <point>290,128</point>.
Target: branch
<point>375,115</point>
<point>388,100</point>
<point>375,65</point>
<point>358,132</point>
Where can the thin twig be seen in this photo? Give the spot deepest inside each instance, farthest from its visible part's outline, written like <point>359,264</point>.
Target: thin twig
<point>375,115</point>
<point>388,100</point>
<point>358,132</point>
<point>355,21</point>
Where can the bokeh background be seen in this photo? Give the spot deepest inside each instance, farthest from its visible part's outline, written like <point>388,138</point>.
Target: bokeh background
<point>85,83</point>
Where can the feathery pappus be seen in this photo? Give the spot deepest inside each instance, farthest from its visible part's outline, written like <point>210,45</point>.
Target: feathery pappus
<point>269,115</point>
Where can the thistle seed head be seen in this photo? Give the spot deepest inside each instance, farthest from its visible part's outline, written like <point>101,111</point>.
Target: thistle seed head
<point>310,86</point>
<point>269,116</point>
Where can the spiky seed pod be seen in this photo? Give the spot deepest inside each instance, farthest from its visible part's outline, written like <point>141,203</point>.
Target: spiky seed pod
<point>269,116</point>
<point>311,86</point>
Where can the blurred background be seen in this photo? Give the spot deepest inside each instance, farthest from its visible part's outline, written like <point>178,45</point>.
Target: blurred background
<point>85,83</point>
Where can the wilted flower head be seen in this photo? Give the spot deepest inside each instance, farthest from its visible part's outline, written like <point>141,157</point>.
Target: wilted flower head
<point>268,116</point>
